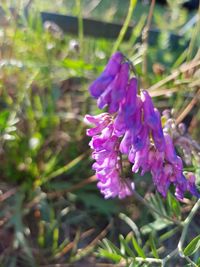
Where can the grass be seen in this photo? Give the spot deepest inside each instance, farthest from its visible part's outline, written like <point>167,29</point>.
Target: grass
<point>51,211</point>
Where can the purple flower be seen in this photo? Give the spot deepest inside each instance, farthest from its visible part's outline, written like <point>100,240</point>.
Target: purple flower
<point>100,121</point>
<point>162,180</point>
<point>150,117</point>
<point>108,75</point>
<point>170,152</point>
<point>132,130</point>
<point>191,187</point>
<point>127,108</point>
<point>119,88</point>
<point>157,133</point>
<point>106,153</point>
<point>141,140</point>
<point>141,160</point>
<point>131,98</point>
<point>132,127</point>
<point>181,187</point>
<point>116,90</point>
<point>126,142</point>
<point>113,186</point>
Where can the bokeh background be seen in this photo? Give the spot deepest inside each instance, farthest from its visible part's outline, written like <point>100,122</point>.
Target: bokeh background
<point>50,209</point>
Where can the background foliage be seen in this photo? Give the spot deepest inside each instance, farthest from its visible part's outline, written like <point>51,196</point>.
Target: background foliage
<point>50,209</point>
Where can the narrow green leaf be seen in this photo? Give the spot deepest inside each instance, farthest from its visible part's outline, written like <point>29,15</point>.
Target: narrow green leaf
<point>133,226</point>
<point>55,238</point>
<point>160,204</point>
<point>112,247</point>
<point>132,264</point>
<point>65,168</point>
<point>193,246</point>
<point>157,225</point>
<point>153,246</point>
<point>109,255</point>
<point>169,233</point>
<point>174,205</point>
<point>138,249</point>
<point>198,262</point>
<point>127,249</point>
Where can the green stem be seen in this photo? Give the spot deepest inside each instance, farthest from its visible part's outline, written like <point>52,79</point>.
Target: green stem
<point>148,260</point>
<point>144,202</point>
<point>80,27</point>
<point>170,255</point>
<point>186,225</point>
<point>184,232</point>
<point>125,25</point>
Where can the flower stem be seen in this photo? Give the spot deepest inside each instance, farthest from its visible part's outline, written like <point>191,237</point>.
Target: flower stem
<point>125,25</point>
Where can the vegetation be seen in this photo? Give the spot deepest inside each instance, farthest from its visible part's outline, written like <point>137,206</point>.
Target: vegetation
<point>50,209</point>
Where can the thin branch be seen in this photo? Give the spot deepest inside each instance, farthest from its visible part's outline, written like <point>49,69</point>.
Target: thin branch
<point>189,107</point>
<point>75,187</point>
<point>8,194</point>
<point>182,69</point>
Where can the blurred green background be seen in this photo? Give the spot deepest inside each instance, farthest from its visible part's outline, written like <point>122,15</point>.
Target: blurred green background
<point>50,209</point>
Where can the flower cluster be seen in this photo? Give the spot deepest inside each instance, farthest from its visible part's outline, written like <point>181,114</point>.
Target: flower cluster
<point>106,153</point>
<point>132,127</point>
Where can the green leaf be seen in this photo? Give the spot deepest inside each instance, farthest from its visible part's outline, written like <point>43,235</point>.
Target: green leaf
<point>111,247</point>
<point>79,64</point>
<point>138,249</point>
<point>125,246</point>
<point>132,264</point>
<point>169,233</point>
<point>174,205</point>
<point>153,246</point>
<point>198,262</point>
<point>193,246</point>
<point>132,225</point>
<point>3,119</point>
<point>157,225</point>
<point>109,255</point>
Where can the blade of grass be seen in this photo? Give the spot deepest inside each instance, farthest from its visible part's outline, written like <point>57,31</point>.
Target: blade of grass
<point>80,26</point>
<point>63,169</point>
<point>125,25</point>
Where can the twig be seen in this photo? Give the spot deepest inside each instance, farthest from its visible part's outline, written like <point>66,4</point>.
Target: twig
<point>7,194</point>
<point>93,243</point>
<point>70,245</point>
<point>188,108</point>
<point>72,188</point>
<point>183,68</point>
